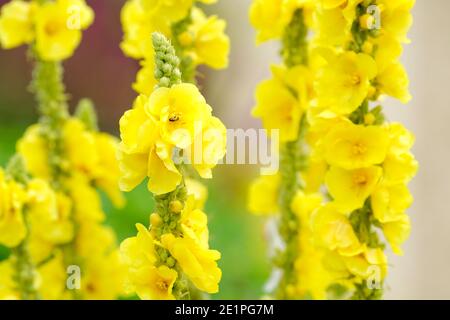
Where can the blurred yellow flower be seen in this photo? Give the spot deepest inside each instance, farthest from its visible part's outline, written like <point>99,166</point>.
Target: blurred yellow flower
<point>58,27</point>
<point>263,195</point>
<point>333,230</point>
<point>206,40</point>
<point>16,24</point>
<point>12,201</point>
<point>396,233</point>
<point>197,262</point>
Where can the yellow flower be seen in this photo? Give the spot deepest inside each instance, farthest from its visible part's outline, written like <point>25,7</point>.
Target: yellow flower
<point>49,214</point>
<point>198,191</point>
<point>263,195</point>
<point>401,140</point>
<point>138,131</point>
<point>138,255</point>
<point>33,148</point>
<point>303,205</point>
<point>344,83</point>
<point>197,262</point>
<point>178,109</point>
<point>397,232</point>
<point>156,283</point>
<point>209,147</point>
<point>16,24</point>
<point>394,82</point>
<point>313,278</point>
<point>138,24</point>
<point>86,200</point>
<point>370,264</point>
<point>396,18</point>
<point>58,28</point>
<point>332,28</point>
<point>145,79</point>
<point>94,240</point>
<point>333,230</point>
<point>107,169</point>
<point>171,10</point>
<point>351,188</point>
<point>53,278</point>
<point>350,146</point>
<point>269,18</point>
<point>102,277</point>
<point>331,4</point>
<point>163,175</point>
<point>314,175</point>
<point>8,287</point>
<point>390,202</point>
<point>138,251</point>
<point>321,122</point>
<point>12,200</point>
<point>276,104</point>
<point>80,147</point>
<point>206,35</point>
<point>194,223</point>
<point>399,168</point>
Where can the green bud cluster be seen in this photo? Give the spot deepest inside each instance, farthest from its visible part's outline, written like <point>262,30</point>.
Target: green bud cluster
<point>167,71</point>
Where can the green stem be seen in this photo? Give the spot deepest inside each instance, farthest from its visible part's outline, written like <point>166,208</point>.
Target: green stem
<point>48,87</point>
<point>292,158</point>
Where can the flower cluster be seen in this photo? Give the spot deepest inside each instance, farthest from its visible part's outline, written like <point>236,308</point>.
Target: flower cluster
<point>198,39</point>
<point>282,103</point>
<point>88,162</point>
<point>364,161</point>
<point>64,215</point>
<point>55,27</point>
<point>172,257</point>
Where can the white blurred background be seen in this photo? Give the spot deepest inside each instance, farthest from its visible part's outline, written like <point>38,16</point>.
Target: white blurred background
<point>422,273</point>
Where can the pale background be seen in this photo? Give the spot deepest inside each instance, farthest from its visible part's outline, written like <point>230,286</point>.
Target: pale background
<point>423,272</point>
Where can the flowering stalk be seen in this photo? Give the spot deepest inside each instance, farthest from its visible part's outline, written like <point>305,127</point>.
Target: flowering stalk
<point>290,88</point>
<point>367,161</point>
<point>159,136</point>
<point>292,158</point>
<point>67,152</point>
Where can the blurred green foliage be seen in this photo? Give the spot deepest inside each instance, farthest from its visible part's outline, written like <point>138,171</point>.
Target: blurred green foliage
<point>235,233</point>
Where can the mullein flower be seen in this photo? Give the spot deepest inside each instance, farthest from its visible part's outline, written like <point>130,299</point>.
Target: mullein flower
<point>54,26</point>
<point>168,259</point>
<point>367,160</point>
<point>198,39</point>
<point>282,100</point>
<point>271,17</point>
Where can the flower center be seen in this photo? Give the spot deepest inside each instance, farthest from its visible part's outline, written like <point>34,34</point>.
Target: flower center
<point>355,80</point>
<point>358,149</point>
<point>162,285</point>
<point>174,117</point>
<point>52,28</point>
<point>360,180</point>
